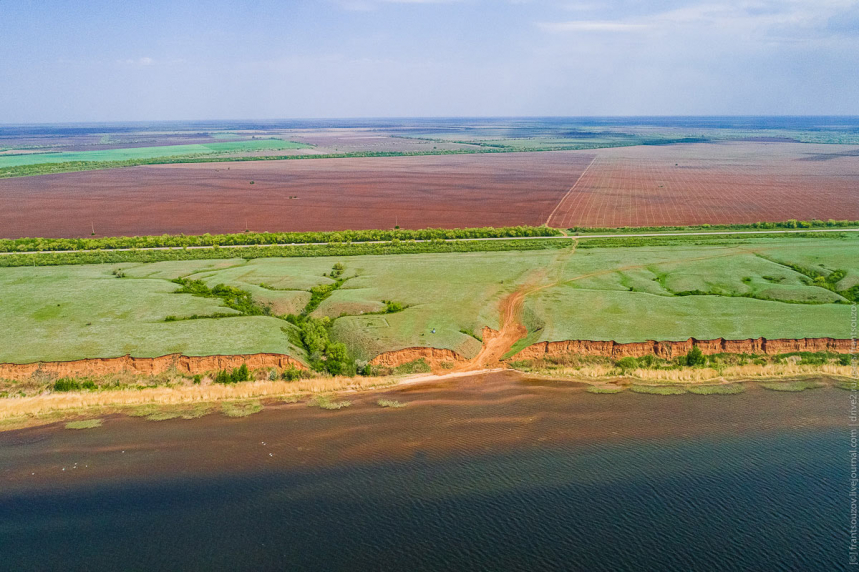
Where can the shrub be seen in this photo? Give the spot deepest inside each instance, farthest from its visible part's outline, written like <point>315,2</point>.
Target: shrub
<point>241,373</point>
<point>419,365</point>
<point>627,363</point>
<point>291,374</point>
<point>66,384</point>
<point>695,357</point>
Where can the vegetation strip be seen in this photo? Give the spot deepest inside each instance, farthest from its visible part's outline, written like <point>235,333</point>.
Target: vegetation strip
<point>76,166</point>
<point>788,225</point>
<point>28,245</point>
<point>477,147</point>
<point>291,251</point>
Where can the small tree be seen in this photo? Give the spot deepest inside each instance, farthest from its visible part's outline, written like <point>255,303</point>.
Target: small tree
<point>695,357</point>
<point>627,363</point>
<point>241,373</point>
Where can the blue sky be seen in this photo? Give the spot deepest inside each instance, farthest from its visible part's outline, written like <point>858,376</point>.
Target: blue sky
<point>114,61</point>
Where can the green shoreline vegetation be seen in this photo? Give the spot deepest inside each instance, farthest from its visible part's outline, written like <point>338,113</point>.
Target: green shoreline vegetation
<point>325,398</point>
<point>693,360</point>
<point>567,366</point>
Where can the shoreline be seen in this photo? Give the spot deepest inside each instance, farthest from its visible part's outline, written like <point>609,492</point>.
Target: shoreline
<point>192,365</point>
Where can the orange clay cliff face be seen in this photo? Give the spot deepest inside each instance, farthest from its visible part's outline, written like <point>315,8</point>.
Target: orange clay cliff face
<point>149,366</point>
<point>611,349</point>
<point>433,356</point>
<point>669,350</point>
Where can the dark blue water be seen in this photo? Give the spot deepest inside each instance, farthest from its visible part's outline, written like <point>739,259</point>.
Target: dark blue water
<point>774,499</point>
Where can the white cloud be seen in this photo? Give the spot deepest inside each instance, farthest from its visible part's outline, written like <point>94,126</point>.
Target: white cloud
<point>592,26</point>
<point>139,62</point>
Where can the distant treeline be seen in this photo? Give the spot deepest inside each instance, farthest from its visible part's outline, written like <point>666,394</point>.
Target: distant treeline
<point>261,238</point>
<point>788,224</point>
<point>621,241</point>
<point>304,250</point>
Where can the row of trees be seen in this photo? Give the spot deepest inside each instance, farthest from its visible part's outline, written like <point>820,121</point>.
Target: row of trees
<point>263,238</point>
<point>251,252</point>
<point>787,224</point>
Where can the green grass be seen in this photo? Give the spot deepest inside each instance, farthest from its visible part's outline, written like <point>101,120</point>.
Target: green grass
<point>43,167</point>
<point>658,389</point>
<point>626,295</point>
<point>143,153</point>
<point>649,293</point>
<point>604,389</point>
<point>327,402</point>
<point>240,408</point>
<point>85,424</point>
<point>67,313</point>
<point>722,389</point>
<point>166,412</point>
<point>791,385</point>
<point>848,384</point>
<point>392,403</point>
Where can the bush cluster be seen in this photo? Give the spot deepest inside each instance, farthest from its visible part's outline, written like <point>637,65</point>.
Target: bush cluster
<point>69,384</point>
<point>241,373</point>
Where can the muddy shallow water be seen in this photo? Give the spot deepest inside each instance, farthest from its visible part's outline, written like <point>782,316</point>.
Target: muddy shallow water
<point>495,471</point>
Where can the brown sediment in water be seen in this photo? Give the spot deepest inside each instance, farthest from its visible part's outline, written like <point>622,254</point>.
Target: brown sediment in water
<point>478,414</point>
<point>147,366</point>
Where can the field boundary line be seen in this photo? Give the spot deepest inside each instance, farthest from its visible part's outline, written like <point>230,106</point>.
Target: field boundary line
<point>567,194</point>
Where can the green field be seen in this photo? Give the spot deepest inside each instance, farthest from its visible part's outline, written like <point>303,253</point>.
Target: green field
<point>774,287</point>
<point>149,152</point>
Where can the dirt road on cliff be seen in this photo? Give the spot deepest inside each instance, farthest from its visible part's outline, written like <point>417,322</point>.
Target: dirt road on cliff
<point>498,343</point>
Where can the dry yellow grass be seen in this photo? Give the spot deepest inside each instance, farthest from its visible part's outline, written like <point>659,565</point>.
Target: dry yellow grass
<point>42,405</point>
<point>699,375</point>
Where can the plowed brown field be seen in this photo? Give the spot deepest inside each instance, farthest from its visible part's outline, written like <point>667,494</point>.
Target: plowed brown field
<point>711,183</point>
<point>331,194</point>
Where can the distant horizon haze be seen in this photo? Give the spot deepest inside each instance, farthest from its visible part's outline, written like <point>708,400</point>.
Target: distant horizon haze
<point>183,60</point>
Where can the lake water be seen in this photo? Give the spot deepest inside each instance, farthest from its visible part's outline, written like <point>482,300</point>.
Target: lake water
<point>494,472</point>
